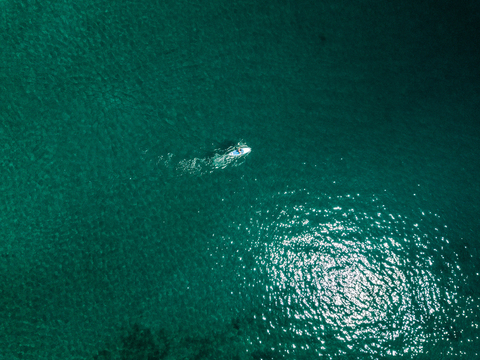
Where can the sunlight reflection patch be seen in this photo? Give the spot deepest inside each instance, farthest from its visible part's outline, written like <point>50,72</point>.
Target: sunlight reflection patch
<point>353,273</point>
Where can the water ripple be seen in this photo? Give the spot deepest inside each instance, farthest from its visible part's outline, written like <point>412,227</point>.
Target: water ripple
<point>352,275</point>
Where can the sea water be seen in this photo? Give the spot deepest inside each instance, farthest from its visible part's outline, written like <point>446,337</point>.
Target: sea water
<point>350,230</point>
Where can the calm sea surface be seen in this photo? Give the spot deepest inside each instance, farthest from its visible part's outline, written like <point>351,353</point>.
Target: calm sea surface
<point>350,230</point>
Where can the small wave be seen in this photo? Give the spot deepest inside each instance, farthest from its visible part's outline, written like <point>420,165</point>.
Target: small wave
<point>194,166</point>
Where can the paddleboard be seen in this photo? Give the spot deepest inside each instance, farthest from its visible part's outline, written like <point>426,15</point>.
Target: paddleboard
<point>243,151</point>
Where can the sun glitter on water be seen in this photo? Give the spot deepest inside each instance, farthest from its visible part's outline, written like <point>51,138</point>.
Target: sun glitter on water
<point>352,272</point>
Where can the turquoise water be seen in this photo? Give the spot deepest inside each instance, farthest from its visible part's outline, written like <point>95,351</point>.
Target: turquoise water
<point>350,230</point>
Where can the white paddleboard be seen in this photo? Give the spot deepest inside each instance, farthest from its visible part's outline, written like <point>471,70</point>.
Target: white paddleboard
<point>243,151</point>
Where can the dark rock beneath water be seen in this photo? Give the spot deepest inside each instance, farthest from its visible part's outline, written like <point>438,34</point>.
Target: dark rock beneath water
<point>140,344</point>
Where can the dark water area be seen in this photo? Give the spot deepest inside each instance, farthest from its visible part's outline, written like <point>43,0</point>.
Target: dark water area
<point>350,230</point>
